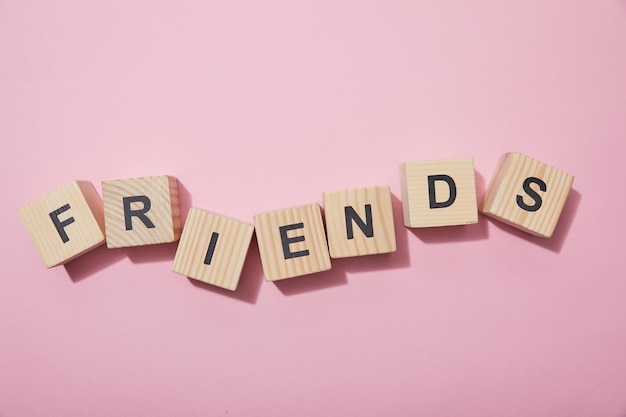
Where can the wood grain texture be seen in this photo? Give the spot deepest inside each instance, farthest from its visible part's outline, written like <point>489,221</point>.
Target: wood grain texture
<point>275,265</point>
<point>84,233</point>
<point>415,193</point>
<point>500,200</point>
<point>229,248</point>
<point>164,213</point>
<point>376,200</point>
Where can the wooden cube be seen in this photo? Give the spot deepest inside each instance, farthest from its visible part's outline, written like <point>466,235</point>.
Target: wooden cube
<point>359,222</point>
<point>439,193</point>
<point>65,223</point>
<point>292,242</point>
<point>141,211</point>
<point>213,248</point>
<point>527,194</point>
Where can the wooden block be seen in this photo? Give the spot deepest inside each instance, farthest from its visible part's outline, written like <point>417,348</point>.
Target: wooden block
<point>213,248</point>
<point>141,211</point>
<point>527,194</point>
<point>65,223</point>
<point>359,222</point>
<point>439,193</point>
<point>292,242</point>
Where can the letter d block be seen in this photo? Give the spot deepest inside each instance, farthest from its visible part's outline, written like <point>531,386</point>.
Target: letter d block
<point>439,193</point>
<point>213,248</point>
<point>141,211</point>
<point>527,194</point>
<point>65,223</point>
<point>292,242</point>
<point>359,222</point>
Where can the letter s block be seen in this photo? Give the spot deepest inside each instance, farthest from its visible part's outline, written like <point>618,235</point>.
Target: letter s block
<point>292,242</point>
<point>439,193</point>
<point>359,222</point>
<point>527,194</point>
<point>65,223</point>
<point>141,211</point>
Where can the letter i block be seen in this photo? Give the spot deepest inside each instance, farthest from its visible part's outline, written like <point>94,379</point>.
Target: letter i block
<point>213,248</point>
<point>292,242</point>
<point>65,223</point>
<point>141,211</point>
<point>359,222</point>
<point>439,193</point>
<point>527,194</point>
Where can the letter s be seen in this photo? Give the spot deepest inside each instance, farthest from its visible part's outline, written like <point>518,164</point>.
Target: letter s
<point>532,193</point>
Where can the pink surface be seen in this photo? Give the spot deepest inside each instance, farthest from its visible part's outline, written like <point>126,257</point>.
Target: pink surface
<point>256,106</point>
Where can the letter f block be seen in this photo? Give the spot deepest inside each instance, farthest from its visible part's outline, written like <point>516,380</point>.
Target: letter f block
<point>141,211</point>
<point>292,242</point>
<point>439,193</point>
<point>527,194</point>
<point>65,223</point>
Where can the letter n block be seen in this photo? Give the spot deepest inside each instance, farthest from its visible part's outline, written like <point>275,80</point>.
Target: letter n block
<point>65,223</point>
<point>292,242</point>
<point>527,194</point>
<point>213,248</point>
<point>439,193</point>
<point>141,211</point>
<point>359,222</point>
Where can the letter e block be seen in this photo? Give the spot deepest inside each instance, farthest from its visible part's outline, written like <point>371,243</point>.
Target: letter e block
<point>65,223</point>
<point>141,211</point>
<point>439,193</point>
<point>213,248</point>
<point>527,194</point>
<point>292,242</point>
<point>359,222</point>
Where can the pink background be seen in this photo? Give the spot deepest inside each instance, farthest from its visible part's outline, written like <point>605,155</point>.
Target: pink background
<point>256,106</point>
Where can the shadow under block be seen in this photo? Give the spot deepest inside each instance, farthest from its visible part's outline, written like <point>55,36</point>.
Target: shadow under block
<point>65,223</point>
<point>439,193</point>
<point>527,194</point>
<point>292,242</point>
<point>213,248</point>
<point>141,211</point>
<point>359,222</point>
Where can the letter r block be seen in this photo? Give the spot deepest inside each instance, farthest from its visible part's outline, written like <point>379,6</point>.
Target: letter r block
<point>141,211</point>
<point>213,248</point>
<point>527,194</point>
<point>65,223</point>
<point>292,242</point>
<point>359,222</point>
<point>439,193</point>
